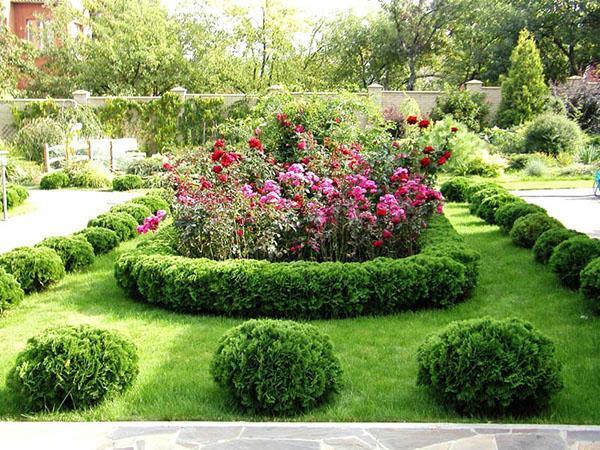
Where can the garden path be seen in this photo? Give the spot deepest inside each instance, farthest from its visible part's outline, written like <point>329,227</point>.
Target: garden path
<point>575,208</point>
<point>56,213</point>
<point>294,436</point>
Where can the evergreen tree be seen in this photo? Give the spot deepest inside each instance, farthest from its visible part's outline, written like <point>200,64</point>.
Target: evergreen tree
<point>524,90</point>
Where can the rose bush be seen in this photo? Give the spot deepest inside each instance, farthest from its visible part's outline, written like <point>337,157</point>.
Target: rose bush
<point>327,201</point>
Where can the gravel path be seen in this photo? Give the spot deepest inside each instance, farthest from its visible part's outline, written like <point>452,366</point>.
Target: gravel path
<point>294,436</point>
<point>575,208</point>
<point>56,213</point>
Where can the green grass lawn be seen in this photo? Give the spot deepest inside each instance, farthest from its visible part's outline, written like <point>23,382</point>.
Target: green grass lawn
<point>377,353</point>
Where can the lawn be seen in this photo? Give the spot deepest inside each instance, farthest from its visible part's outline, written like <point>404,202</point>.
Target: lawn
<point>518,182</point>
<point>377,353</point>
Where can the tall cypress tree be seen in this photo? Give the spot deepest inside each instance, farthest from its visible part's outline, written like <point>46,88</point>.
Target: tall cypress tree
<point>524,90</point>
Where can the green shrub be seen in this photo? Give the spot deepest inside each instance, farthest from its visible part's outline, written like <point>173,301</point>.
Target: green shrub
<point>121,223</point>
<point>468,107</point>
<point>137,210</point>
<point>535,168</point>
<point>127,183</point>
<point>15,195</point>
<point>507,214</point>
<point>489,206</point>
<point>35,268</point>
<point>465,255</point>
<point>10,291</point>
<point>571,256</point>
<point>549,240</point>
<point>55,180</point>
<point>31,138</point>
<point>478,197</point>
<point>490,367</point>
<point>75,252</point>
<point>153,202</point>
<point>590,284</point>
<point>72,367</point>
<point>454,189</point>
<point>527,229</point>
<point>553,134</point>
<point>476,187</point>
<point>276,367</point>
<point>146,167</point>
<point>87,175</point>
<point>102,240</point>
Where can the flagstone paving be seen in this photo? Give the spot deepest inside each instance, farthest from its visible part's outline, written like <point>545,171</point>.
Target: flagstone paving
<point>294,436</point>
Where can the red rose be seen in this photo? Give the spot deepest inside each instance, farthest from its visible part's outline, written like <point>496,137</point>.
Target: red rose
<point>447,155</point>
<point>299,129</point>
<point>381,211</point>
<point>387,234</point>
<point>227,159</point>
<point>255,143</point>
<point>217,169</point>
<point>305,160</point>
<point>216,155</point>
<point>378,243</point>
<point>428,149</point>
<point>454,129</point>
<point>425,161</point>
<point>240,232</point>
<point>424,123</point>
<point>301,145</point>
<point>167,166</point>
<point>219,143</point>
<point>411,120</point>
<point>441,161</point>
<point>222,177</point>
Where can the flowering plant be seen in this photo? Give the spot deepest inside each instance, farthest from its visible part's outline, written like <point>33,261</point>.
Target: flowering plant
<point>328,203</point>
<point>152,223</point>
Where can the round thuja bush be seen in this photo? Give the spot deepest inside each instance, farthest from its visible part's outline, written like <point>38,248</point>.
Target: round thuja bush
<point>35,268</point>
<point>127,182</point>
<point>72,367</point>
<point>490,367</point>
<point>475,187</point>
<point>75,252</point>
<point>549,240</point>
<point>571,256</point>
<point>553,134</point>
<point>454,189</point>
<point>478,197</point>
<point>276,367</point>
<point>55,180</point>
<point>121,223</point>
<point>590,284</point>
<point>507,214</point>
<point>152,202</point>
<point>489,206</point>
<point>10,291</point>
<point>137,210</point>
<point>527,229</point>
<point>101,239</point>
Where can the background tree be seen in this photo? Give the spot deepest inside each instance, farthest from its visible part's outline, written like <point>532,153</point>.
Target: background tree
<point>524,90</point>
<point>16,61</point>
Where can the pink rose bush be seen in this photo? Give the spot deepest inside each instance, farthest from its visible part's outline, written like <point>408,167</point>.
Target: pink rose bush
<point>317,200</point>
<point>152,223</point>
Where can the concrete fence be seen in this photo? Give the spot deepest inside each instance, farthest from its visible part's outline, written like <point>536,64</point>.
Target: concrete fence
<point>383,98</point>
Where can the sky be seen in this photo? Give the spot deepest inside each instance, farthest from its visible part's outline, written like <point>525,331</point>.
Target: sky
<point>310,8</point>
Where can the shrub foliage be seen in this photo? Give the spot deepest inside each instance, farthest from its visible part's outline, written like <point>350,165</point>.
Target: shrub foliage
<point>55,180</point>
<point>276,367</point>
<point>127,182</point>
<point>34,268</point>
<point>102,240</point>
<point>121,223</point>
<point>549,240</point>
<point>507,214</point>
<point>10,291</point>
<point>138,211</point>
<point>75,252</point>
<point>571,256</point>
<point>590,284</point>
<point>527,229</point>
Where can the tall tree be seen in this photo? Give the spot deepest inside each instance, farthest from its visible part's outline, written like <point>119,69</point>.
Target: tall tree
<point>524,89</point>
<point>16,61</point>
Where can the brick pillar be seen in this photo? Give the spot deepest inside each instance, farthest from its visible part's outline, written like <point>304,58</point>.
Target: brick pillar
<point>375,92</point>
<point>81,96</point>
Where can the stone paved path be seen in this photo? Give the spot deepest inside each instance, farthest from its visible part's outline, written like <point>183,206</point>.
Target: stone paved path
<point>575,208</point>
<point>56,213</point>
<point>293,436</point>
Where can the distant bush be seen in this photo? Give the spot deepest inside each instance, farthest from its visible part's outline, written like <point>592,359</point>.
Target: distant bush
<point>506,215</point>
<point>137,210</point>
<point>489,206</point>
<point>72,367</point>
<point>88,175</point>
<point>553,134</point>
<point>75,252</point>
<point>127,182</point>
<point>10,291</point>
<point>146,167</point>
<point>454,189</point>
<point>395,121</point>
<point>490,367</point>
<point>571,256</point>
<point>506,141</point>
<point>527,229</point>
<point>536,168</point>
<point>15,196</point>
<point>582,101</point>
<point>30,139</point>
<point>121,223</point>
<point>276,367</point>
<point>55,180</point>
<point>549,240</point>
<point>478,197</point>
<point>102,240</point>
<point>473,188</point>
<point>153,202</point>
<point>468,107</point>
<point>590,284</point>
<point>35,268</point>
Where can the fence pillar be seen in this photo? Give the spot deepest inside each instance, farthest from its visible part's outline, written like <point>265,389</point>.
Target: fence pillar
<point>111,155</point>
<point>474,85</point>
<point>375,92</point>
<point>81,96</point>
<point>89,149</point>
<point>46,154</point>
<point>181,91</point>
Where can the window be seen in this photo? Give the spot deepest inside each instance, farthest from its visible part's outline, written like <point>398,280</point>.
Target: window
<point>39,32</point>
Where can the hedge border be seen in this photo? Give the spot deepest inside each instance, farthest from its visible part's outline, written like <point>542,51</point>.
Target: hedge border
<point>443,274</point>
